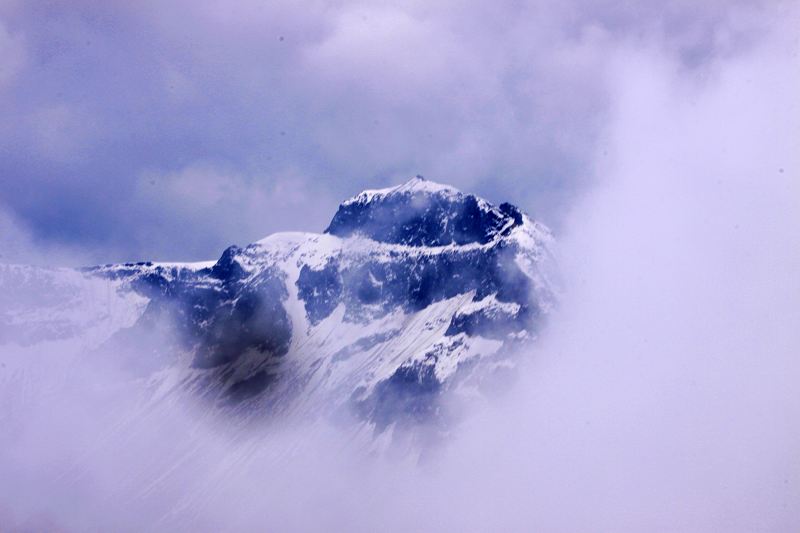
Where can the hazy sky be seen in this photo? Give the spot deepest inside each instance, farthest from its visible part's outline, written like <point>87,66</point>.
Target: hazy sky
<point>169,130</point>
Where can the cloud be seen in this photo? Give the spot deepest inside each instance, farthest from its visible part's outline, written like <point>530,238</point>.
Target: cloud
<point>206,203</point>
<point>662,395</point>
<point>19,245</point>
<point>12,56</point>
<point>506,100</point>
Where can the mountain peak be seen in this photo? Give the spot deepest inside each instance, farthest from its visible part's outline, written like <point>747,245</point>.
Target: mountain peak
<point>441,287</point>
<point>421,212</point>
<point>415,185</point>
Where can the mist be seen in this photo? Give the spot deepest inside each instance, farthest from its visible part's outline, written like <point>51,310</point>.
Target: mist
<point>661,396</point>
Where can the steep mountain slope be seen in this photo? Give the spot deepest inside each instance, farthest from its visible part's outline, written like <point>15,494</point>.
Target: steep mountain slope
<point>410,291</point>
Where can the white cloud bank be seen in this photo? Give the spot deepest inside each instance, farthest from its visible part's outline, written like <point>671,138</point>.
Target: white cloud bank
<point>664,395</point>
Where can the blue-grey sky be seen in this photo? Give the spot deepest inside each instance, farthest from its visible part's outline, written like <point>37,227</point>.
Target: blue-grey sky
<point>169,130</point>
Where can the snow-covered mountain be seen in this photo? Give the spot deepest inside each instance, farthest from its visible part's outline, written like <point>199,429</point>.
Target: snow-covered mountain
<point>410,291</point>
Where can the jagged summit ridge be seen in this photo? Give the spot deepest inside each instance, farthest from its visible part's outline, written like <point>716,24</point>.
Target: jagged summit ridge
<point>423,213</point>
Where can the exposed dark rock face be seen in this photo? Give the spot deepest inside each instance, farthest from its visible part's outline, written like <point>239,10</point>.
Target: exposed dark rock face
<point>216,312</point>
<point>418,217</point>
<point>408,396</point>
<point>412,282</point>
